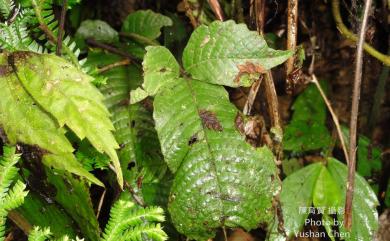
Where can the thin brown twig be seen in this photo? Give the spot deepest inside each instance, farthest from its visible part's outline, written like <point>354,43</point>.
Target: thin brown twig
<point>92,42</point>
<point>259,15</point>
<point>354,118</point>
<point>61,27</point>
<point>334,116</point>
<point>259,6</point>
<point>216,7</point>
<point>292,29</point>
<point>99,208</point>
<point>189,14</point>
<point>123,62</point>
<point>252,96</point>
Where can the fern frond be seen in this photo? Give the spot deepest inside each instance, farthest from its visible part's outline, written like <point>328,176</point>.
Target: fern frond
<point>38,234</point>
<point>15,36</point>
<point>129,222</point>
<point>49,26</point>
<point>146,232</point>
<point>8,170</point>
<point>15,197</point>
<point>6,7</point>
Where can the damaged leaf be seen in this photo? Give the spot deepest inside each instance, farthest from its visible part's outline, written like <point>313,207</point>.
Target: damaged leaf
<point>227,53</point>
<point>70,97</point>
<point>219,179</point>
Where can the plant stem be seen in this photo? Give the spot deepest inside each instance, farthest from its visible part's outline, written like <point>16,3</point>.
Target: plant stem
<point>385,59</point>
<point>216,7</point>
<point>334,116</point>
<point>111,49</point>
<point>61,27</point>
<point>189,14</point>
<point>139,39</point>
<point>114,65</point>
<point>354,118</point>
<point>292,28</point>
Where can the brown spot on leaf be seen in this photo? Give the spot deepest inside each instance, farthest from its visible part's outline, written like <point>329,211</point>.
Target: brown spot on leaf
<point>162,70</point>
<point>19,56</point>
<point>209,120</point>
<point>248,68</point>
<point>193,139</point>
<point>5,70</point>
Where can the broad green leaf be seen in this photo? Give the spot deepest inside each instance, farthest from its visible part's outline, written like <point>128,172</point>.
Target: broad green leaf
<point>37,211</point>
<point>364,213</point>
<point>69,96</point>
<point>98,30</point>
<point>23,120</point>
<point>220,180</point>
<point>227,53</point>
<point>155,74</point>
<point>326,191</point>
<point>307,129</point>
<point>301,136</point>
<point>73,196</point>
<point>133,123</point>
<point>297,196</point>
<point>145,23</point>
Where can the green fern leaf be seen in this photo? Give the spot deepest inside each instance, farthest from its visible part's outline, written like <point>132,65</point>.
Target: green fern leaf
<point>74,197</point>
<point>38,234</point>
<point>220,180</point>
<point>9,198</point>
<point>130,222</point>
<point>146,232</point>
<point>134,125</point>
<point>15,196</point>
<point>228,54</point>
<point>51,214</point>
<point>67,94</point>
<point>6,7</point>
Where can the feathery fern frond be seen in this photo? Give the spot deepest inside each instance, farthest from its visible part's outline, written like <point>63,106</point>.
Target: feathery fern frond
<point>39,234</point>
<point>8,170</point>
<point>129,222</point>
<point>6,7</point>
<point>48,28</point>
<point>146,232</point>
<point>15,35</point>
<point>9,199</point>
<point>15,196</point>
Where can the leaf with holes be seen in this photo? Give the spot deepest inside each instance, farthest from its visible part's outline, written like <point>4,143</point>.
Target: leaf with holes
<point>227,53</point>
<point>133,123</point>
<point>69,96</point>
<point>220,180</point>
